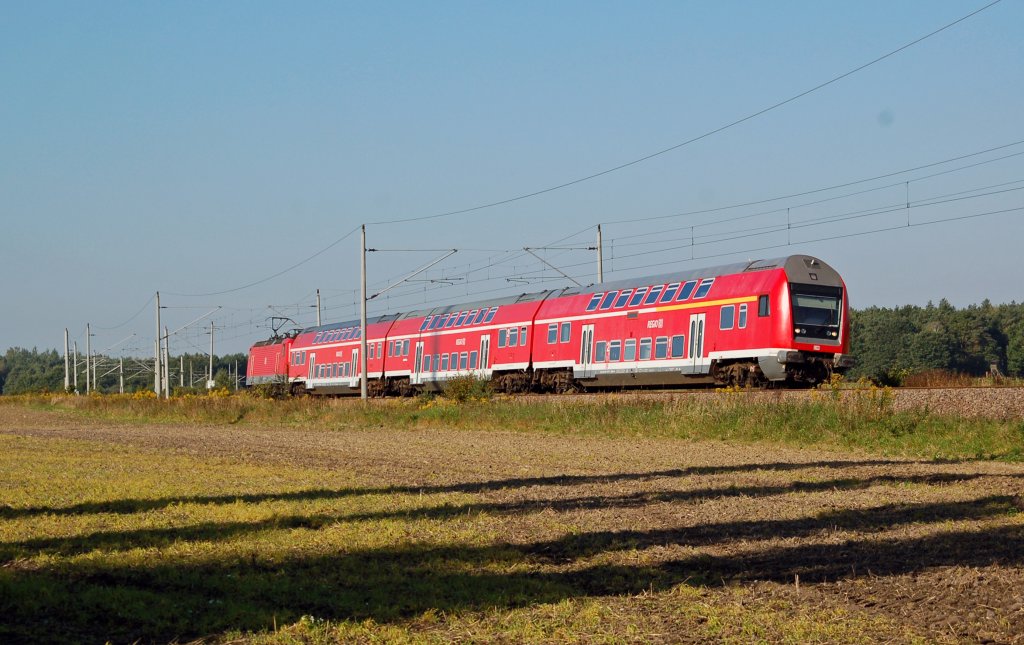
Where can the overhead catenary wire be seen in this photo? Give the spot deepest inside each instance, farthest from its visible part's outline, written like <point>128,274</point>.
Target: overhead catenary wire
<point>695,139</point>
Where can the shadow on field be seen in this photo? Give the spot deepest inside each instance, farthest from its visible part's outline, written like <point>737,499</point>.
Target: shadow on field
<point>90,600</point>
<point>126,506</point>
<point>212,531</point>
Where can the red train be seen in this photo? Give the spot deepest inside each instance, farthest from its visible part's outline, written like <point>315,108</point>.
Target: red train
<point>781,321</point>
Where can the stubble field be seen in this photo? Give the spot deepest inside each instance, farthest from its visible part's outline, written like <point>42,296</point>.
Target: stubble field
<point>291,532</point>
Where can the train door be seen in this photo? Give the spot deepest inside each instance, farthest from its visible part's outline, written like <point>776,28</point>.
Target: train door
<point>312,369</point>
<point>485,353</point>
<point>355,367</point>
<point>417,365</point>
<point>696,362</point>
<point>586,365</point>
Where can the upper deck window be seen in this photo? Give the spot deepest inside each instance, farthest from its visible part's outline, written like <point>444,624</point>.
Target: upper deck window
<point>687,290</point>
<point>623,298</point>
<point>609,297</point>
<point>469,318</point>
<point>461,318</point>
<point>638,296</point>
<point>594,301</point>
<point>705,286</point>
<point>490,314</point>
<point>452,319</point>
<point>426,323</point>
<point>670,292</point>
<point>653,295</point>
<point>479,316</point>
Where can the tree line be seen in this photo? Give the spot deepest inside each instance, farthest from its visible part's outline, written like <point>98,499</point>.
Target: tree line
<point>890,345</point>
<point>23,371</point>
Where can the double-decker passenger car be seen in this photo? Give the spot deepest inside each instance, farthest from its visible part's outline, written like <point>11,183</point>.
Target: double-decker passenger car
<point>757,323</point>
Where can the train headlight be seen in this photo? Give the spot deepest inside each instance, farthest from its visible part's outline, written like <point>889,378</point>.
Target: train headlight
<point>835,334</point>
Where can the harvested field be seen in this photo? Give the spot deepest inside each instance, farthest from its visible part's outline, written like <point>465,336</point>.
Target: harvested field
<point>278,533</point>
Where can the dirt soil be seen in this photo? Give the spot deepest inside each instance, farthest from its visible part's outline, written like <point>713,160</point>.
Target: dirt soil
<point>936,548</point>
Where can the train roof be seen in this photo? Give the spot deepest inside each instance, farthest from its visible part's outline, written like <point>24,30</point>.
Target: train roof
<point>481,304</point>
<point>795,266</point>
<point>370,320</point>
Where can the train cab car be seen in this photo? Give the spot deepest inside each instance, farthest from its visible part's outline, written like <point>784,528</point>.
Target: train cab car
<point>782,320</point>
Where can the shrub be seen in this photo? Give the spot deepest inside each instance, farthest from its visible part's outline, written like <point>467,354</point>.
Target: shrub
<point>469,387</point>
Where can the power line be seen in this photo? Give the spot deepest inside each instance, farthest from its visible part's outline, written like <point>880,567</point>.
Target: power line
<point>271,277</point>
<point>695,139</point>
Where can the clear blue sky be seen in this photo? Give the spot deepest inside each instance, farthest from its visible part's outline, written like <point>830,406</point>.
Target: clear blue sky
<point>198,147</point>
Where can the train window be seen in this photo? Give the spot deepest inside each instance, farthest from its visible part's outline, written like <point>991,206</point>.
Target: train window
<point>405,347</point>
<point>687,289</point>
<point>437,361</point>
<point>502,335</point>
<point>661,347</point>
<point>743,317</point>
<point>614,350</point>
<point>316,339</point>
<point>623,298</point>
<point>609,298</point>
<point>599,351</point>
<point>678,346</point>
<point>522,335</point>
<point>645,349</point>
<point>629,354</point>
<point>453,361</point>
<point>391,348</point>
<point>479,316</point>
<point>513,337</point>
<point>705,286</point>
<point>653,295</point>
<point>490,314</point>
<point>461,318</point>
<point>552,333</point>
<point>594,301</point>
<point>380,349</point>
<point>469,318</point>
<point>426,323</point>
<point>359,332</point>
<point>670,292</point>
<point>727,318</point>
<point>638,296</point>
<point>444,362</point>
<point>438,321</point>
<point>451,320</point>
<point>369,350</point>
<point>566,332</point>
<point>463,360</point>
<point>472,360</point>
<point>762,305</point>
<point>426,363</point>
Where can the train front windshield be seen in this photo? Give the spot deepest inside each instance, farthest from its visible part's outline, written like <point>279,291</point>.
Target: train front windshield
<point>816,311</point>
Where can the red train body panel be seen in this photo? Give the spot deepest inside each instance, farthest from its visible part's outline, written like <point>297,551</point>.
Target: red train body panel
<point>782,320</point>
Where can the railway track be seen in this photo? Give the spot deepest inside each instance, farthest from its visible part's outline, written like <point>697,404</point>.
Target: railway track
<point>997,402</point>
